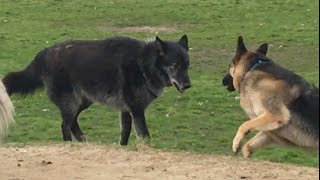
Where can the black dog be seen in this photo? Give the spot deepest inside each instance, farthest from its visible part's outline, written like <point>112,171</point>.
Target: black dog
<point>121,72</point>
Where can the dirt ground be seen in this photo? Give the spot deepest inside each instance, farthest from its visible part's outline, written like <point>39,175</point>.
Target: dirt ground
<point>107,163</point>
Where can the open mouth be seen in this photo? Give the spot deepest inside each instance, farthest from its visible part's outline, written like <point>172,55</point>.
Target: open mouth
<point>230,87</point>
<point>177,87</point>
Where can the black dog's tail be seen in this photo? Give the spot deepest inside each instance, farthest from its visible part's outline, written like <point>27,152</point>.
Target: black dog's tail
<point>26,81</point>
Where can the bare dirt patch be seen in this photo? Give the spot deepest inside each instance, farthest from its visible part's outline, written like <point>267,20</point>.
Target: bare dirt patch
<point>103,162</point>
<point>145,29</point>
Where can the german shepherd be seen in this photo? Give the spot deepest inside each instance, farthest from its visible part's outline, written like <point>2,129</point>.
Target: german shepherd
<point>121,72</point>
<point>6,110</point>
<point>282,106</point>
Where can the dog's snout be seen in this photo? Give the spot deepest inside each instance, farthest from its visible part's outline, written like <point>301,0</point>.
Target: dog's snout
<point>186,86</point>
<point>227,80</point>
<point>224,81</point>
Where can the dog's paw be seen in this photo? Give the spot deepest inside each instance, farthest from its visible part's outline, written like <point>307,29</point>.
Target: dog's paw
<point>236,142</point>
<point>235,146</point>
<point>83,138</point>
<point>246,151</point>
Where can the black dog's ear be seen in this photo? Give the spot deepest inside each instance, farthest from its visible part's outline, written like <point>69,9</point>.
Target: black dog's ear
<point>184,42</point>
<point>241,48</point>
<point>161,46</point>
<point>263,49</point>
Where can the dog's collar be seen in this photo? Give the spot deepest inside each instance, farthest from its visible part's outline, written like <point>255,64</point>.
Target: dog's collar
<point>256,64</point>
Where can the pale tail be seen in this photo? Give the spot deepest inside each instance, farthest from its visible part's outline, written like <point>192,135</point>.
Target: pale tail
<point>6,110</point>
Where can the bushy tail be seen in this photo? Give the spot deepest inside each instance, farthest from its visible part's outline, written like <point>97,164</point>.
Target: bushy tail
<point>6,110</point>
<point>26,81</point>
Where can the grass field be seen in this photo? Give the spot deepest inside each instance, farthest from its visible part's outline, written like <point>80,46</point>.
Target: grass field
<point>206,117</point>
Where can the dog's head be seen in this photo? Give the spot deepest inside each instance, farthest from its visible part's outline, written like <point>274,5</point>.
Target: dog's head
<point>241,63</point>
<point>173,59</point>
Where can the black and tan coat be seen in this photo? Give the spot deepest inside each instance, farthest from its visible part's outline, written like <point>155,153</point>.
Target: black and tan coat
<point>282,106</point>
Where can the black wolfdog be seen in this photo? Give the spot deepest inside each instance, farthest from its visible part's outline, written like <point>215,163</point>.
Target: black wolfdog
<point>121,72</point>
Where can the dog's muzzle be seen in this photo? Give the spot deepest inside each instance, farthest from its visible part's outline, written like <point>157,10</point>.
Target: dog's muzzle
<point>181,87</point>
<point>228,82</point>
<point>186,86</point>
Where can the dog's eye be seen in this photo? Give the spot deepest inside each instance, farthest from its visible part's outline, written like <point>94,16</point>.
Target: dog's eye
<point>173,65</point>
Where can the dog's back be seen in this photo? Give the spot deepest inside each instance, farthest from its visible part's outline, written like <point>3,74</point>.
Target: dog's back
<point>6,110</point>
<point>303,127</point>
<point>305,115</point>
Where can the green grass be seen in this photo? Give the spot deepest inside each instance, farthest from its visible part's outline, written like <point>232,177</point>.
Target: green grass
<point>206,117</point>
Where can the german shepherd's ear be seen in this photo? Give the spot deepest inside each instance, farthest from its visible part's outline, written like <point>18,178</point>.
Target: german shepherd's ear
<point>161,46</point>
<point>241,48</point>
<point>263,49</point>
<point>184,42</point>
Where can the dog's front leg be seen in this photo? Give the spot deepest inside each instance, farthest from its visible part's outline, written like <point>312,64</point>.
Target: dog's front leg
<point>125,125</point>
<point>140,124</point>
<point>267,121</point>
<point>259,140</point>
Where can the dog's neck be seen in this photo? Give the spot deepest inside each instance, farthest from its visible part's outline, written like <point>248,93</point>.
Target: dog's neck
<point>152,74</point>
<point>150,87</point>
<point>255,65</point>
<point>154,83</point>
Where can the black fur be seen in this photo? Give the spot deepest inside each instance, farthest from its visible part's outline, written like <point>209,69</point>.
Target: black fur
<point>124,73</point>
<point>23,82</point>
<point>227,81</point>
<point>306,108</point>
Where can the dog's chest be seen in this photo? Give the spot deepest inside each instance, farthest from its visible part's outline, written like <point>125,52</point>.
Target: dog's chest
<point>144,96</point>
<point>114,100</point>
<point>251,104</point>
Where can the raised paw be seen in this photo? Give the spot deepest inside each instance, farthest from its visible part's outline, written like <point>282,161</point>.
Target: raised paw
<point>235,145</point>
<point>236,142</point>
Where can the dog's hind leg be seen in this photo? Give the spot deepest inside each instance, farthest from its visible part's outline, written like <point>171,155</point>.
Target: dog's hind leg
<point>67,120</point>
<point>68,105</point>
<point>125,124</point>
<point>260,140</point>
<point>76,131</point>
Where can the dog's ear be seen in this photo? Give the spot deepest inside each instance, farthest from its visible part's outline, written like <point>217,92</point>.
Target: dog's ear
<point>161,46</point>
<point>263,49</point>
<point>184,42</point>
<point>241,48</point>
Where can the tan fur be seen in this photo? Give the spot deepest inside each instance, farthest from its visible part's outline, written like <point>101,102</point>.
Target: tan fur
<point>260,140</point>
<point>237,71</point>
<point>272,121</point>
<point>6,110</point>
<point>267,121</point>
